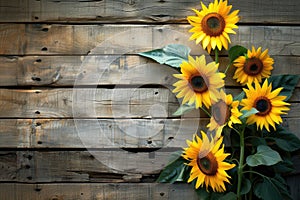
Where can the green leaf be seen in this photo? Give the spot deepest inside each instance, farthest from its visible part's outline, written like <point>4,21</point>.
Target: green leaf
<point>285,140</point>
<point>184,109</point>
<point>173,170</point>
<point>264,156</point>
<point>202,193</point>
<point>246,186</point>
<point>236,51</point>
<point>239,97</point>
<point>229,196</point>
<point>247,113</point>
<point>286,166</point>
<point>287,81</point>
<point>272,189</point>
<point>172,55</point>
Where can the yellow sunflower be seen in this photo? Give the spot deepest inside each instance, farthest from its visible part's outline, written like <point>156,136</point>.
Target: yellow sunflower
<point>207,161</point>
<point>213,24</point>
<point>267,102</point>
<point>255,66</point>
<point>224,111</point>
<point>199,83</point>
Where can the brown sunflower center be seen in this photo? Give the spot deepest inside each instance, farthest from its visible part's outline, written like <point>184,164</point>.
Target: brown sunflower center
<point>221,112</point>
<point>253,66</point>
<point>208,164</point>
<point>198,83</point>
<point>263,105</point>
<point>213,24</point>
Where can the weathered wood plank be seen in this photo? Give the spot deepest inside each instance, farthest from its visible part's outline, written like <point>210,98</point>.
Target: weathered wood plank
<point>141,11</point>
<point>127,69</point>
<point>103,191</point>
<point>44,39</point>
<point>113,165</point>
<point>99,102</point>
<point>105,133</point>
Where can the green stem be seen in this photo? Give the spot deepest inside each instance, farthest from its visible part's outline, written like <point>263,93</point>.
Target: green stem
<point>241,163</point>
<point>206,111</point>
<point>227,68</point>
<point>216,55</point>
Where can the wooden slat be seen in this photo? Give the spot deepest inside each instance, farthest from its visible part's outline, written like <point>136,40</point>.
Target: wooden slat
<point>44,39</point>
<point>71,191</point>
<point>112,165</point>
<point>99,102</point>
<point>140,11</point>
<point>105,133</point>
<point>125,70</point>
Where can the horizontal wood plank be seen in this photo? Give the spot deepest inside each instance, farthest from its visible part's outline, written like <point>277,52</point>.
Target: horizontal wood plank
<point>106,133</point>
<point>112,165</point>
<point>134,102</point>
<point>141,11</point>
<point>107,70</point>
<point>112,191</point>
<point>44,39</point>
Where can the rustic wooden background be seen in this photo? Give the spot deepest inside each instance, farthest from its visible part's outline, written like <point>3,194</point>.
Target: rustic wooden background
<point>43,44</point>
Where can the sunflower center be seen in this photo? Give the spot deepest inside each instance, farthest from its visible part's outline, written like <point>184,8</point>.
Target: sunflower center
<point>253,66</point>
<point>263,105</point>
<point>198,83</point>
<point>208,164</point>
<point>221,112</point>
<point>213,24</point>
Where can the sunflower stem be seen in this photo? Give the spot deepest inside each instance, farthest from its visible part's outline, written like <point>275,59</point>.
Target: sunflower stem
<point>216,55</point>
<point>205,111</point>
<point>227,68</point>
<point>241,163</point>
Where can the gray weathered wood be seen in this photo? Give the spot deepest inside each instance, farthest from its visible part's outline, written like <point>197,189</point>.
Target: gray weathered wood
<point>31,39</point>
<point>103,191</point>
<point>105,133</point>
<point>117,102</point>
<point>125,70</point>
<point>140,11</point>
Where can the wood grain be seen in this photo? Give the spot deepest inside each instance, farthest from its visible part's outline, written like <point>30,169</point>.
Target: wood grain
<point>97,191</point>
<point>32,39</point>
<point>95,102</point>
<point>107,70</point>
<point>105,133</point>
<point>140,11</point>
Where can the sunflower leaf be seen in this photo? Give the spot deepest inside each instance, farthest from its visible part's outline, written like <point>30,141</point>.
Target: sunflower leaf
<point>184,109</point>
<point>246,186</point>
<point>247,113</point>
<point>173,171</point>
<point>264,156</point>
<point>285,140</point>
<point>287,81</point>
<point>272,189</point>
<point>240,96</point>
<point>172,54</point>
<point>236,51</point>
<point>229,196</point>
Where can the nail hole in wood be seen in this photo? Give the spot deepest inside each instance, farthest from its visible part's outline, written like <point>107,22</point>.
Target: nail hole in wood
<point>162,194</point>
<point>29,178</point>
<point>156,93</point>
<point>38,60</point>
<point>40,142</point>
<point>27,166</point>
<point>37,112</point>
<point>38,124</point>
<point>34,78</point>
<point>170,138</point>
<point>45,29</point>
<point>37,189</point>
<point>44,49</point>
<point>36,17</point>
<point>149,141</point>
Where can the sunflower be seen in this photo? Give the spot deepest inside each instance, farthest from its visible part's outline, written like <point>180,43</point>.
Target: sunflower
<point>224,111</point>
<point>213,24</point>
<point>199,83</point>
<point>206,159</point>
<point>253,66</point>
<point>268,104</point>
